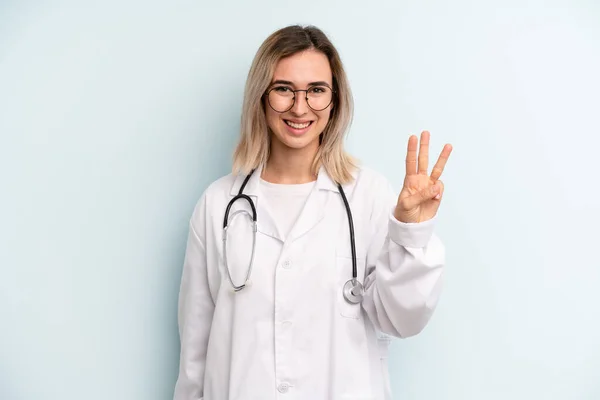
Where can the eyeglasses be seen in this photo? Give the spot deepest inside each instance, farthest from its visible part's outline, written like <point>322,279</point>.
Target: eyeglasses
<point>282,98</point>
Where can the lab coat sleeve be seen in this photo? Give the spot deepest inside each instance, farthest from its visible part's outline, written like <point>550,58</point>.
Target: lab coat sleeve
<point>405,264</point>
<point>195,311</point>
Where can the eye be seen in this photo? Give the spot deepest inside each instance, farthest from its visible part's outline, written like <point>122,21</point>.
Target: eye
<point>318,89</point>
<point>282,89</point>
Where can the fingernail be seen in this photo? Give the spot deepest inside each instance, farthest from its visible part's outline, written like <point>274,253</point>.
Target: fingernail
<point>437,197</point>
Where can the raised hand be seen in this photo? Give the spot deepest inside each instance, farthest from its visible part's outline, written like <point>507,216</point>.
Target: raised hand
<point>421,194</point>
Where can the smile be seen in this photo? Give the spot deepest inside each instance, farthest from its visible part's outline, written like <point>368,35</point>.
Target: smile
<point>297,125</point>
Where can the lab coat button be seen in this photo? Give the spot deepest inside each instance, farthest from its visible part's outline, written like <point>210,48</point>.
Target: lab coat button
<point>286,324</point>
<point>287,264</point>
<point>283,388</point>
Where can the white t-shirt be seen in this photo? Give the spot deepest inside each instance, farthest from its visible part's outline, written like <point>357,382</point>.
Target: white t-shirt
<point>285,202</point>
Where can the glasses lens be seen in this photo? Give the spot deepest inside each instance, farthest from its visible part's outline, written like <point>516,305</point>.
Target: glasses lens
<point>319,97</point>
<point>281,98</point>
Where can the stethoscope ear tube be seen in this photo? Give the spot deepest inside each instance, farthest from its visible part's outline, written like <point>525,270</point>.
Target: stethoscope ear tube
<point>235,287</point>
<point>239,196</point>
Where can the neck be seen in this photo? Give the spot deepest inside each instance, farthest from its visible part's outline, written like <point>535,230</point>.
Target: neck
<point>289,166</point>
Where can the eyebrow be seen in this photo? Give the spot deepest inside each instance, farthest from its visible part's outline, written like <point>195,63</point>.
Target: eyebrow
<point>282,82</point>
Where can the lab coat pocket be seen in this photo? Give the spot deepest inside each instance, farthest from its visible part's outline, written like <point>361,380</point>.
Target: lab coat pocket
<point>344,273</point>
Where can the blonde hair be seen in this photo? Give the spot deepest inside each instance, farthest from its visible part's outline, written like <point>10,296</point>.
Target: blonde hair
<point>254,144</point>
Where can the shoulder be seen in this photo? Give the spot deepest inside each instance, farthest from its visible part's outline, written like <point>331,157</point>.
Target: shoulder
<point>367,178</point>
<point>214,196</point>
<point>220,187</point>
<point>373,190</point>
<point>367,173</point>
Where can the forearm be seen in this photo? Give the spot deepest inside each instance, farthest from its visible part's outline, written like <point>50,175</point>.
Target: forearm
<point>405,280</point>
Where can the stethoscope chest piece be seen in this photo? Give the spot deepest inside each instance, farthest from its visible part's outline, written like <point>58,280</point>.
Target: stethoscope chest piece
<point>353,291</point>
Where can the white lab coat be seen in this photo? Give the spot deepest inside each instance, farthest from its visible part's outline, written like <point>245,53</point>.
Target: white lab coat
<point>291,334</point>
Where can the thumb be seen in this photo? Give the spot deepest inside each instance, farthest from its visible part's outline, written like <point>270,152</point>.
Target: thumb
<point>421,196</point>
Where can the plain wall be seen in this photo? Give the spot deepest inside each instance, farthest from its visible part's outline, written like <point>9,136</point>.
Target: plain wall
<point>114,117</point>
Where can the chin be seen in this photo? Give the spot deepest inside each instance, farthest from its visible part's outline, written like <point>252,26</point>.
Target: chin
<point>297,142</point>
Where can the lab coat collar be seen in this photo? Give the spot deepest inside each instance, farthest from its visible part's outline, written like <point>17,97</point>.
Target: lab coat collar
<point>251,188</point>
<point>312,213</point>
<point>324,182</point>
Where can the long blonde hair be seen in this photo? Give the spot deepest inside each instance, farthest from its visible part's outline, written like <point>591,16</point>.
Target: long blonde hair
<point>254,144</point>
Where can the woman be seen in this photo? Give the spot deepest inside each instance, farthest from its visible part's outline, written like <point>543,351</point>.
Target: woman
<point>302,311</point>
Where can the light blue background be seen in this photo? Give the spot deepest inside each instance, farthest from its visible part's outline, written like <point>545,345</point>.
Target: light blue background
<point>114,116</point>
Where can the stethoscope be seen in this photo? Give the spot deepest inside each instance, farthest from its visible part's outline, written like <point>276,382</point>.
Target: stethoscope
<point>353,290</point>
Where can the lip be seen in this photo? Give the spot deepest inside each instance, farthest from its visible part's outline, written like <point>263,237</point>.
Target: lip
<point>298,121</point>
<point>298,132</point>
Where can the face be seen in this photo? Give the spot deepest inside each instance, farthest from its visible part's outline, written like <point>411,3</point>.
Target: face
<point>298,128</point>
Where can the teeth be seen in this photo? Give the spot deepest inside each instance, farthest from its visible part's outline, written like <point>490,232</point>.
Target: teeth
<point>297,126</point>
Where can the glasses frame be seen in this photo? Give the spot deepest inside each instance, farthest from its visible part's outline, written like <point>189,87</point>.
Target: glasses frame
<point>294,100</point>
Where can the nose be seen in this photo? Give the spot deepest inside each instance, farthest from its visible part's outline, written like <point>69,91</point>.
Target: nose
<point>300,106</point>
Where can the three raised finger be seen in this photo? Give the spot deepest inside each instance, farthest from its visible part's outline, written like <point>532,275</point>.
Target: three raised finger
<point>411,156</point>
<point>424,153</point>
<point>438,168</point>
